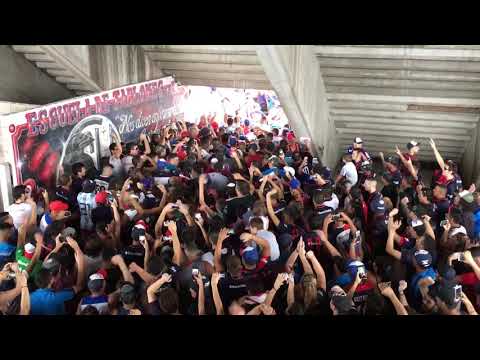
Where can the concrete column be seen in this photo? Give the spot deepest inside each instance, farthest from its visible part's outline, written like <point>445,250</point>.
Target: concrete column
<point>471,160</point>
<point>294,73</point>
<point>118,65</point>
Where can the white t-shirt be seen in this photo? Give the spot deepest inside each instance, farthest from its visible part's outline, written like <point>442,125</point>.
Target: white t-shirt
<point>19,212</point>
<point>117,166</point>
<point>349,171</point>
<point>127,163</point>
<point>332,203</point>
<point>86,202</point>
<point>272,241</point>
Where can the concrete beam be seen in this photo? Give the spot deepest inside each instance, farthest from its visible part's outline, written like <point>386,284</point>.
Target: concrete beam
<point>402,142</point>
<point>404,52</point>
<point>390,148</point>
<point>468,118</point>
<point>412,129</point>
<point>406,133</point>
<point>38,57</point>
<point>354,121</point>
<point>396,83</point>
<point>404,74</point>
<point>356,105</point>
<point>219,76</point>
<point>202,49</point>
<point>205,58</point>
<point>240,84</point>
<point>48,65</point>
<point>57,72</point>
<point>395,64</point>
<point>170,66</point>
<point>419,100</point>
<point>404,92</point>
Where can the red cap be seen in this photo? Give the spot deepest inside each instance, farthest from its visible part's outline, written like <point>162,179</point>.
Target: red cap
<point>142,223</point>
<point>182,154</point>
<point>101,197</point>
<point>184,134</point>
<point>102,272</point>
<point>57,206</point>
<point>30,182</point>
<point>290,136</point>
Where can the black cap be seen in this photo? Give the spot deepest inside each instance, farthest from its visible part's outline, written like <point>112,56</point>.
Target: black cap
<point>88,186</point>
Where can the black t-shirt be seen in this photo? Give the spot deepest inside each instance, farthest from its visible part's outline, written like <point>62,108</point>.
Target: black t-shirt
<point>236,207</point>
<point>67,196</point>
<point>134,253</point>
<point>231,289</point>
<point>102,214</point>
<point>77,184</point>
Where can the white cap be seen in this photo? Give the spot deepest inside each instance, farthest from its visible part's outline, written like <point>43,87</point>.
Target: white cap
<point>289,170</point>
<point>29,248</point>
<point>358,140</point>
<point>96,276</point>
<point>213,160</point>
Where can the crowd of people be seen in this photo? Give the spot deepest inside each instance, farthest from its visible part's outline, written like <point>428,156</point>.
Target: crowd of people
<point>227,218</point>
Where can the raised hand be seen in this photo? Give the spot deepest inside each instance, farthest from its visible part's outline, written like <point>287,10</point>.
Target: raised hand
<point>402,286</point>
<point>172,226</point>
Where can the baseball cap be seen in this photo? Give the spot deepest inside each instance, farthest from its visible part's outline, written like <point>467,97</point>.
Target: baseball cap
<point>101,197</point>
<point>29,249</point>
<point>324,172</point>
<point>295,183</point>
<point>57,205</point>
<point>95,282</point>
<point>467,196</point>
<point>290,136</point>
<point>446,292</point>
<point>423,258</point>
<point>412,144</point>
<point>391,159</point>
<point>88,186</point>
<point>289,170</point>
<point>250,255</point>
<point>358,140</point>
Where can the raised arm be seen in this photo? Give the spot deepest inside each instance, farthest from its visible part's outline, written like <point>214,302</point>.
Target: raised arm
<point>117,260</point>
<point>291,290</point>
<point>37,253</point>
<point>178,255</point>
<point>144,138</point>
<point>469,260</point>
<point>393,226</point>
<point>318,269</point>
<point>25,295</point>
<point>201,293</point>
<point>33,215</point>
<point>468,304</point>
<point>80,260</point>
<point>161,219</point>
<point>143,273</point>
<point>8,296</point>
<point>271,212</point>
<point>222,235</point>
<point>388,292</point>
<point>292,259</point>
<point>216,295</point>
<point>428,227</point>
<point>117,222</point>
<point>307,269</point>
<point>438,157</point>
<point>153,288</point>
<point>279,281</point>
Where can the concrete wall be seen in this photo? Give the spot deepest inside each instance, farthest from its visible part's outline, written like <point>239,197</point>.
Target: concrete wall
<point>77,54</point>
<point>21,81</point>
<point>470,164</point>
<point>295,75</point>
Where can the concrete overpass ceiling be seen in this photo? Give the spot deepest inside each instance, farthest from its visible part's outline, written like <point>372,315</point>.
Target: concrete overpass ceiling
<point>235,66</point>
<point>391,94</point>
